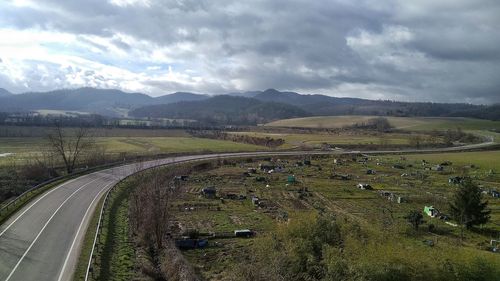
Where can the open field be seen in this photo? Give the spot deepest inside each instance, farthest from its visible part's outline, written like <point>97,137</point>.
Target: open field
<point>315,191</point>
<point>315,140</point>
<point>485,160</point>
<point>24,149</point>
<point>407,123</point>
<point>65,113</point>
<point>40,132</point>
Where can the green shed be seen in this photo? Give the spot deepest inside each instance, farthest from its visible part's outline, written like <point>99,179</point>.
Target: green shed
<point>431,211</point>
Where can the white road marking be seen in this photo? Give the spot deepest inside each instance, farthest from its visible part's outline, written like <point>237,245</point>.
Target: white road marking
<point>78,231</point>
<point>32,204</point>
<point>43,228</point>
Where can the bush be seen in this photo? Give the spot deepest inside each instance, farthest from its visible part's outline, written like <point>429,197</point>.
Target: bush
<point>320,248</point>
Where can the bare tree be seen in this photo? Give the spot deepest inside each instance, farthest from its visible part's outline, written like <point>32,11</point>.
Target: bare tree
<point>70,144</point>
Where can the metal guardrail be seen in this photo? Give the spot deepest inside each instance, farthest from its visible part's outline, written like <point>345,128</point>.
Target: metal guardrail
<point>93,259</point>
<point>13,203</point>
<point>90,269</point>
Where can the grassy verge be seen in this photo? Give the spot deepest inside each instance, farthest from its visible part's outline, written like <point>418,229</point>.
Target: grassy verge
<point>88,242</point>
<point>114,253</point>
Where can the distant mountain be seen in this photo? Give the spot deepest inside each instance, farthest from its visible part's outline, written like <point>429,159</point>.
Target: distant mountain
<point>105,102</point>
<point>250,94</point>
<point>100,101</point>
<point>4,93</point>
<point>326,105</point>
<point>118,103</point>
<point>294,98</point>
<point>223,109</point>
<point>179,96</point>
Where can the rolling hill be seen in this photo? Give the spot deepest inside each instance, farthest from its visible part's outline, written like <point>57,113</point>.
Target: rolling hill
<point>413,123</point>
<point>222,109</point>
<point>321,105</point>
<point>117,103</point>
<point>179,96</point>
<point>100,101</point>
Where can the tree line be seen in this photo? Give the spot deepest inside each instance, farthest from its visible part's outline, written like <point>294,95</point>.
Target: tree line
<point>242,138</point>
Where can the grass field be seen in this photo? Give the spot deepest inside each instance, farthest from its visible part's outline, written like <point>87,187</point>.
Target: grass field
<point>114,253</point>
<point>484,159</point>
<point>293,140</point>
<point>407,123</point>
<point>26,148</point>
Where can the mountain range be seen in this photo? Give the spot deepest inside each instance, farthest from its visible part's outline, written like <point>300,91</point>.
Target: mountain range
<point>254,106</point>
<point>4,93</point>
<point>106,102</point>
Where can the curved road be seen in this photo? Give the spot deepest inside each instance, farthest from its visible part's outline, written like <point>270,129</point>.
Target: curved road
<point>42,240</point>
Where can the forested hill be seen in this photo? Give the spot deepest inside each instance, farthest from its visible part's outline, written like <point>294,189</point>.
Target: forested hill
<point>106,102</point>
<point>326,105</point>
<point>258,107</point>
<point>222,109</point>
<point>109,102</point>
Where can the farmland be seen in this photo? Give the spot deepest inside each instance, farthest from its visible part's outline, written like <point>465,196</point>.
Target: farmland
<point>315,139</point>
<point>23,143</point>
<point>406,123</point>
<point>24,149</point>
<point>373,229</point>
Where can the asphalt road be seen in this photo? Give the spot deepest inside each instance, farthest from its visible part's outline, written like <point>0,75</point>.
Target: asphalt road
<point>42,240</point>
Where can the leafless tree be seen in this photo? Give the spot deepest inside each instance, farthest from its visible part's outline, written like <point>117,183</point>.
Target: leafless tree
<point>70,144</point>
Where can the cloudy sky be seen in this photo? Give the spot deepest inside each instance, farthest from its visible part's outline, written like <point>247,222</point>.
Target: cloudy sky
<point>446,50</point>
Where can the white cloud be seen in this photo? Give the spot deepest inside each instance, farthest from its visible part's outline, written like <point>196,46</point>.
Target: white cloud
<point>124,3</point>
<point>359,48</point>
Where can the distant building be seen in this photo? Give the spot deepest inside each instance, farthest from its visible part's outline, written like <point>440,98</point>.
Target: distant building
<point>209,192</point>
<point>244,233</point>
<point>364,186</point>
<point>266,168</point>
<point>187,243</point>
<point>181,178</point>
<point>431,211</point>
<point>255,200</point>
<point>438,168</point>
<point>455,180</point>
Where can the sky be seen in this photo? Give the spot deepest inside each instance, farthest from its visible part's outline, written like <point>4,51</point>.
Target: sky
<point>422,50</point>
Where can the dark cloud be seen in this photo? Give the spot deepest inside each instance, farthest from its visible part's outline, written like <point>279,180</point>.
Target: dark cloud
<point>420,50</point>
